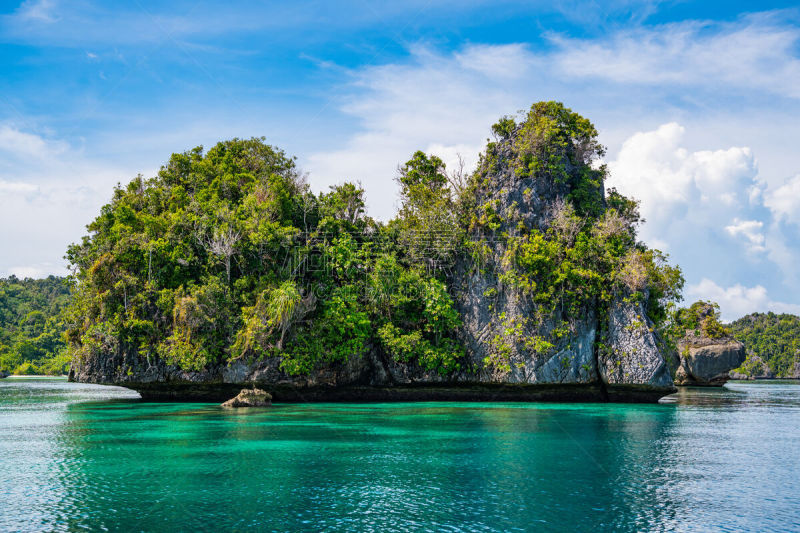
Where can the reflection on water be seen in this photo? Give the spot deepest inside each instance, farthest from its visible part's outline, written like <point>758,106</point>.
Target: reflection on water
<point>84,457</point>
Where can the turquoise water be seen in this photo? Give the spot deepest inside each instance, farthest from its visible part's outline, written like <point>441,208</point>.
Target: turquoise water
<point>76,457</point>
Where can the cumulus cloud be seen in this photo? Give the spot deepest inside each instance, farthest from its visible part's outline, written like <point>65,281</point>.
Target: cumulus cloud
<point>699,203</point>
<point>676,185</point>
<point>449,99</point>
<point>737,300</point>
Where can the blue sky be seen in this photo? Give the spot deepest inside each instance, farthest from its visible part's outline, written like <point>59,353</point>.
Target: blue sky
<point>697,102</point>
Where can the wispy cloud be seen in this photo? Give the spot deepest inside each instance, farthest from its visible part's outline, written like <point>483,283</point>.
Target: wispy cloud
<point>18,142</point>
<point>750,231</point>
<point>757,52</point>
<point>37,10</point>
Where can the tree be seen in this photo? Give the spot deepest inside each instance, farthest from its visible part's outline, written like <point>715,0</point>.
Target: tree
<point>428,220</point>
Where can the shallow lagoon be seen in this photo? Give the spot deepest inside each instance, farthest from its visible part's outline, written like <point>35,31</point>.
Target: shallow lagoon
<point>76,456</point>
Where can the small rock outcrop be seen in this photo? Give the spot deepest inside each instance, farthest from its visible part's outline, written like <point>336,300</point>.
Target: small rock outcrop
<point>705,361</point>
<point>250,398</point>
<point>4,374</point>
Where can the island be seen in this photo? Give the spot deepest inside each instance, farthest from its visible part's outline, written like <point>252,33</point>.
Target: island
<point>523,280</point>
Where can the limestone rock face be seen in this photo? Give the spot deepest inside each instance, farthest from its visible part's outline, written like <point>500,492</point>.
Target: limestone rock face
<point>633,353</point>
<point>250,398</point>
<point>482,299</point>
<point>705,361</point>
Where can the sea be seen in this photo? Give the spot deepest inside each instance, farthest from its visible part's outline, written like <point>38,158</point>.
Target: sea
<point>78,457</point>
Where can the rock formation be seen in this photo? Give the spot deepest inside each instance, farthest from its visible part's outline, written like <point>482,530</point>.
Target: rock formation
<point>705,361</point>
<point>250,398</point>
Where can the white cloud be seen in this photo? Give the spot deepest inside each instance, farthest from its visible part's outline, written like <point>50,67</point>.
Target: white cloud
<point>737,300</point>
<point>499,61</point>
<point>15,141</point>
<point>750,231</point>
<point>10,187</point>
<point>757,52</point>
<point>696,203</point>
<point>451,99</point>
<point>435,103</point>
<point>784,201</point>
<point>48,193</point>
<point>673,183</point>
<point>38,10</point>
<point>23,272</point>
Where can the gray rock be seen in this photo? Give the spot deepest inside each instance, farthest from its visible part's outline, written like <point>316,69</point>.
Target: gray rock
<point>794,371</point>
<point>633,353</point>
<point>4,374</point>
<point>250,398</point>
<point>705,361</point>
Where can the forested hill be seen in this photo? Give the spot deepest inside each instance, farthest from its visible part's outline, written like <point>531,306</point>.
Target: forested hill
<point>31,325</point>
<point>226,266</point>
<point>772,340</point>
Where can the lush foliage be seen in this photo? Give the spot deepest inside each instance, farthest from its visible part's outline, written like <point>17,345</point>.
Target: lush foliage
<point>701,319</point>
<point>228,255</point>
<point>31,325</point>
<point>773,338</point>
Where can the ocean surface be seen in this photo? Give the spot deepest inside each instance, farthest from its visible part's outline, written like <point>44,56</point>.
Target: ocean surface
<point>82,457</point>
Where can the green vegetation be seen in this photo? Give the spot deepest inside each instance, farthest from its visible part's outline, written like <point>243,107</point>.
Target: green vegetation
<point>701,319</point>
<point>773,338</point>
<point>31,325</point>
<point>227,255</point>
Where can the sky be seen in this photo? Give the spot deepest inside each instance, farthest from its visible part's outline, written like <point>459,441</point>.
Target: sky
<point>698,104</point>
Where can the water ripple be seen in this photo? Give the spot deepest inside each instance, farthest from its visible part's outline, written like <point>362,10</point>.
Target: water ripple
<point>85,457</point>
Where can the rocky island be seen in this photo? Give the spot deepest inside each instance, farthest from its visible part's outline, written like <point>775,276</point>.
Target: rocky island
<point>521,281</point>
<point>706,349</point>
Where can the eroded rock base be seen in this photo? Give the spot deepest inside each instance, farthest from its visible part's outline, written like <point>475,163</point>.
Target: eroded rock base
<point>193,392</point>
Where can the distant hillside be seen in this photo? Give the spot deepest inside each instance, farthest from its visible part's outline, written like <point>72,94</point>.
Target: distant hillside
<point>31,325</point>
<point>772,340</point>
